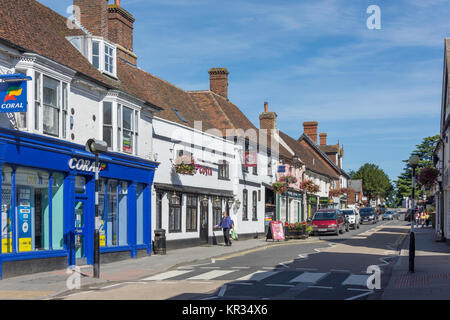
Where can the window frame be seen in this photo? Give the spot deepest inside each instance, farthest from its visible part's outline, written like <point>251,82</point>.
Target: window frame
<point>245,205</point>
<point>178,216</point>
<point>224,170</point>
<point>189,213</point>
<point>254,206</point>
<point>217,213</point>
<point>107,61</point>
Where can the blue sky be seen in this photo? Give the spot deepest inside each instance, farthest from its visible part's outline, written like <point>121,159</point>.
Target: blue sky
<point>376,91</point>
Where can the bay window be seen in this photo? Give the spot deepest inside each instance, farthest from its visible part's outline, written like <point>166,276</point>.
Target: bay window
<point>107,123</point>
<point>103,56</point>
<point>51,106</point>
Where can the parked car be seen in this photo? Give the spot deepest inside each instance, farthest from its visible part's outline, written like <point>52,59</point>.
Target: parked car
<point>353,217</point>
<point>328,221</point>
<point>390,215</point>
<point>368,215</point>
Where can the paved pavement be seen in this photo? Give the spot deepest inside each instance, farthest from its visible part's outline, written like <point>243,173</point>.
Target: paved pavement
<point>49,285</point>
<point>431,279</point>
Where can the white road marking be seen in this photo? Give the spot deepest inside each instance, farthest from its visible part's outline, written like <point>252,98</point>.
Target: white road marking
<point>309,277</point>
<point>209,267</point>
<point>360,295</point>
<point>279,285</point>
<point>356,280</point>
<point>240,267</point>
<point>211,275</point>
<point>258,275</point>
<point>166,275</point>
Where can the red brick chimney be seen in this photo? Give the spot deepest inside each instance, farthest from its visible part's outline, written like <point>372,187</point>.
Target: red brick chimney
<point>310,129</point>
<point>218,81</point>
<point>121,25</point>
<point>267,120</point>
<point>323,139</point>
<point>94,16</point>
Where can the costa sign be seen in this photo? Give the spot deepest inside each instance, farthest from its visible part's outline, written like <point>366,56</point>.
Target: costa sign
<point>204,170</point>
<point>85,165</point>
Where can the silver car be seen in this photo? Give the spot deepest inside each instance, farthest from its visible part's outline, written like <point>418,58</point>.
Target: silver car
<point>354,220</point>
<point>390,215</point>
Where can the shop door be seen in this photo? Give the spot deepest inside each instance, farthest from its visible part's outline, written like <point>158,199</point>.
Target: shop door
<point>80,230</point>
<point>204,222</point>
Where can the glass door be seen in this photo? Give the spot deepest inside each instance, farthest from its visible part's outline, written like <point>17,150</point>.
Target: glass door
<point>203,221</point>
<point>80,215</point>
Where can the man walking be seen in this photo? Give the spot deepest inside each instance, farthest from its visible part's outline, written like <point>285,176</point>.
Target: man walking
<point>226,224</point>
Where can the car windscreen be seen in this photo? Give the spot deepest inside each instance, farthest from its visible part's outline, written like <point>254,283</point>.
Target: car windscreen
<point>325,215</point>
<point>348,212</point>
<point>366,212</point>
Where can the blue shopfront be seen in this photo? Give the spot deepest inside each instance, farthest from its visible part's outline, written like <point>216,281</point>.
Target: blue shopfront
<point>47,204</point>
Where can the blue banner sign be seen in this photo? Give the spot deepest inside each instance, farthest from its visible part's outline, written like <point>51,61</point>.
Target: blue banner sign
<point>281,169</point>
<point>13,96</point>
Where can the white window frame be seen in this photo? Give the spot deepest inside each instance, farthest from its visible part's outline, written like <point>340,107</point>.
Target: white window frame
<point>103,45</point>
<point>63,113</point>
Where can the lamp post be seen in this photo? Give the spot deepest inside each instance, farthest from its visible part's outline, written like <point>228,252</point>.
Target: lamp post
<point>413,162</point>
<point>96,147</point>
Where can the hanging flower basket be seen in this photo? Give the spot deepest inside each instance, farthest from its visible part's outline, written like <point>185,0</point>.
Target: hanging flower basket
<point>310,186</point>
<point>428,176</point>
<point>279,187</point>
<point>335,192</point>
<point>185,165</point>
<point>288,179</point>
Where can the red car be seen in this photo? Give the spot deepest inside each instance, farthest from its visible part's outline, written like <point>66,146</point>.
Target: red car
<point>328,221</point>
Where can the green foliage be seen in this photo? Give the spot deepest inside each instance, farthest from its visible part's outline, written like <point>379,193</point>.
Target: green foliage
<point>404,182</point>
<point>376,183</point>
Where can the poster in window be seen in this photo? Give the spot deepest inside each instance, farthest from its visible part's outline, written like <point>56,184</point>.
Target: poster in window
<point>6,229</point>
<point>24,219</point>
<point>126,144</point>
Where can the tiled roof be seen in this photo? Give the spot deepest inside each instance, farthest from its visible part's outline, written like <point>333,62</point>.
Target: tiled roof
<point>330,148</point>
<point>313,160</point>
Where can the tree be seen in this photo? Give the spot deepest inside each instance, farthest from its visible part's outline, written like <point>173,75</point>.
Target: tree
<point>425,152</point>
<point>376,182</point>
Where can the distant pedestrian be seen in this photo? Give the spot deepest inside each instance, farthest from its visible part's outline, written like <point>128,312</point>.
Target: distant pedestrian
<point>422,218</point>
<point>417,217</point>
<point>428,218</point>
<point>226,224</point>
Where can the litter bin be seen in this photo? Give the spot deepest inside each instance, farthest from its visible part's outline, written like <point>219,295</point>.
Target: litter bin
<point>160,241</point>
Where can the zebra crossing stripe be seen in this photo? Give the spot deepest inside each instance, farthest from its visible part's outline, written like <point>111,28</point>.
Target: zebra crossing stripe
<point>309,277</point>
<point>211,275</point>
<point>167,275</point>
<point>356,280</point>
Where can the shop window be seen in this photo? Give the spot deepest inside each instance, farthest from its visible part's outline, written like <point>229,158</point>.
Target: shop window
<point>217,212</point>
<point>140,214</point>
<point>245,204</point>
<point>254,206</point>
<point>123,213</point>
<point>58,211</point>
<point>174,213</point>
<point>6,218</point>
<point>191,213</point>
<point>32,207</point>
<point>112,228</point>
<point>102,210</point>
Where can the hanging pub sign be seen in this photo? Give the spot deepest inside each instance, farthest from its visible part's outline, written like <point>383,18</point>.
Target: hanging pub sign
<point>281,169</point>
<point>13,93</point>
<point>250,159</point>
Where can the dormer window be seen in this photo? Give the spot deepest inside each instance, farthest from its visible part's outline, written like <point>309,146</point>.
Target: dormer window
<point>103,56</point>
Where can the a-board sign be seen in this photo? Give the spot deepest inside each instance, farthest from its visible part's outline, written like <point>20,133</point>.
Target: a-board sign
<point>276,231</point>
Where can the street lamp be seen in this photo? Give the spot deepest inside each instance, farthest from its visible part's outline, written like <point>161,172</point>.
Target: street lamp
<point>96,147</point>
<point>413,162</point>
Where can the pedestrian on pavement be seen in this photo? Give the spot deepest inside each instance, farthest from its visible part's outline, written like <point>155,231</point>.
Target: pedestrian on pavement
<point>427,218</point>
<point>226,224</point>
<point>417,217</point>
<point>422,218</point>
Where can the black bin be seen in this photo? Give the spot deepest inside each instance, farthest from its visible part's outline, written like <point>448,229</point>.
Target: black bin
<point>160,241</point>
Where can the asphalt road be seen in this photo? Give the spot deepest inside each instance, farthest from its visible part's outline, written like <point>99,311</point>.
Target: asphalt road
<point>335,267</point>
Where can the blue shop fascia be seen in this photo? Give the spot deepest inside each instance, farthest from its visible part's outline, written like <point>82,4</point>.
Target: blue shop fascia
<point>48,204</point>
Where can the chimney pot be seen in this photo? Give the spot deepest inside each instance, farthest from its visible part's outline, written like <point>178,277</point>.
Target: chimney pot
<point>310,129</point>
<point>218,81</point>
<point>323,139</point>
<point>266,107</point>
<point>117,2</point>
